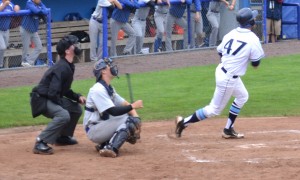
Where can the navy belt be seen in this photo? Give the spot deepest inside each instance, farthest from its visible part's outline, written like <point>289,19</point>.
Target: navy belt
<point>214,11</point>
<point>141,19</point>
<point>89,109</point>
<point>225,71</point>
<point>98,20</point>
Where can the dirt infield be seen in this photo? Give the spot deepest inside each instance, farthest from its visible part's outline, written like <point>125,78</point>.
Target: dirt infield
<point>270,149</point>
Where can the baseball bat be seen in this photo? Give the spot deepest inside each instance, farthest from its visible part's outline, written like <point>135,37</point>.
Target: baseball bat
<point>129,87</point>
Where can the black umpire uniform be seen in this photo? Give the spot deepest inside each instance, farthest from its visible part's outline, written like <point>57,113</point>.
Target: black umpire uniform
<point>61,102</point>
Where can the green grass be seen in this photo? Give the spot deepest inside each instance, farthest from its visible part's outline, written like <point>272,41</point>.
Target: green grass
<point>273,90</point>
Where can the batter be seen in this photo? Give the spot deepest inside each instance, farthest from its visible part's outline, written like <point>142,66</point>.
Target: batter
<point>239,47</point>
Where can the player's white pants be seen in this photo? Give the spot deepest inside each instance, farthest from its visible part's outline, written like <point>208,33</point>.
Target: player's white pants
<point>226,86</point>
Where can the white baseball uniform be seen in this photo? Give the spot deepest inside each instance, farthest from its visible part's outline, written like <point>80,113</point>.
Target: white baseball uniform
<point>238,48</point>
<point>101,130</point>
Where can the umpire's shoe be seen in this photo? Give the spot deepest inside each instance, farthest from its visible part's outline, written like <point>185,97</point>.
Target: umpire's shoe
<point>179,126</point>
<point>66,140</point>
<point>108,151</point>
<point>231,134</point>
<point>41,147</point>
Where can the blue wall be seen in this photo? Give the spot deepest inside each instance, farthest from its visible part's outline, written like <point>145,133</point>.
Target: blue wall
<point>60,8</point>
<point>290,21</point>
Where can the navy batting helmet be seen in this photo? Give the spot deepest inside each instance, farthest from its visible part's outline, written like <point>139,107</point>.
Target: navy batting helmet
<point>246,17</point>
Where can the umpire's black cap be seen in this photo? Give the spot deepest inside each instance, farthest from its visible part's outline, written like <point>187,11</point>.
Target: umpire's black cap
<point>65,43</point>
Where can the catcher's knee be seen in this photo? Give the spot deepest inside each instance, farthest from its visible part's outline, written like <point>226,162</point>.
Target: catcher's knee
<point>133,125</point>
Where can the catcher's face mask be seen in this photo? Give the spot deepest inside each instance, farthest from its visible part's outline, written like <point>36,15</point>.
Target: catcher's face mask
<point>102,64</point>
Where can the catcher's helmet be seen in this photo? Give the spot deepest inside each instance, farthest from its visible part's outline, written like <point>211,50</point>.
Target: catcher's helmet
<point>246,16</point>
<point>102,64</point>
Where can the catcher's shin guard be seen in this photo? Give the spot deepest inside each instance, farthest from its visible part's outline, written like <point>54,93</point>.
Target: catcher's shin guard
<point>112,149</point>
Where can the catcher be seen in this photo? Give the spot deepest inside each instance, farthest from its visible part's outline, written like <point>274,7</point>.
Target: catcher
<point>110,120</point>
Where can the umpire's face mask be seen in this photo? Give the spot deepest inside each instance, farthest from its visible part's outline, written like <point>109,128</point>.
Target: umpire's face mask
<point>77,49</point>
<point>73,40</point>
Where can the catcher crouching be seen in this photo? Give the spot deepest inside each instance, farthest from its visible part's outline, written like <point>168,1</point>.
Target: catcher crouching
<point>109,120</point>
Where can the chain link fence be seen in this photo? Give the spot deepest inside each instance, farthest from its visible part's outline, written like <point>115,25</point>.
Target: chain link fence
<point>156,28</point>
<point>20,42</point>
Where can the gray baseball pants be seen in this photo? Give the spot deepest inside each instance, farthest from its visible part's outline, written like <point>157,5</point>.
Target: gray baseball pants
<point>115,26</point>
<point>64,120</point>
<point>171,20</point>
<point>4,36</point>
<point>28,37</point>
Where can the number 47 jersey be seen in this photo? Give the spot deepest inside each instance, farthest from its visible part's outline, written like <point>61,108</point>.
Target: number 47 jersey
<point>238,48</point>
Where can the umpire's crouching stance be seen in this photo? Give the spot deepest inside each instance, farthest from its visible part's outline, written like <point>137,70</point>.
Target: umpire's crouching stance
<point>54,99</point>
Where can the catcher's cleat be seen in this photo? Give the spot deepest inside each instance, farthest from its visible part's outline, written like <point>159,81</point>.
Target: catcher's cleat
<point>179,126</point>
<point>231,134</point>
<point>41,147</point>
<point>108,151</point>
<point>98,147</point>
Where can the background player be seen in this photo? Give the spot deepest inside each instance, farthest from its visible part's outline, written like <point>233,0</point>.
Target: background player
<point>96,28</point>
<point>238,48</point>
<point>213,16</point>
<point>139,23</point>
<point>160,16</point>
<point>5,6</point>
<point>175,15</point>
<point>110,120</point>
<point>119,20</point>
<point>29,32</point>
<point>196,24</point>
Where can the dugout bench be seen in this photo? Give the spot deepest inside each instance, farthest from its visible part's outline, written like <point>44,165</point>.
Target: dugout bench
<point>12,56</point>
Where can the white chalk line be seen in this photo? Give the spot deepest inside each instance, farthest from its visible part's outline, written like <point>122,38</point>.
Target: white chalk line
<point>287,144</point>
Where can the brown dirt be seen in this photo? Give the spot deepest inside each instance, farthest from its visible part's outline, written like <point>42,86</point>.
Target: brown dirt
<point>270,149</point>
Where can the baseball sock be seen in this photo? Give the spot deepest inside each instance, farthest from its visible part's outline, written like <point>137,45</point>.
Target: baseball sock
<point>233,113</point>
<point>194,118</point>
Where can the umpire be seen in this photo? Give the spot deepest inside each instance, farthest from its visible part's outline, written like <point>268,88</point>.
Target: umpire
<point>54,98</point>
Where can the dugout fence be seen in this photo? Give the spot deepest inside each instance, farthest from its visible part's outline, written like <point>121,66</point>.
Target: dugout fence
<point>50,36</point>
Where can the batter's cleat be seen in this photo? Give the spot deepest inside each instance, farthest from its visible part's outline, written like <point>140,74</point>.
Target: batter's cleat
<point>108,151</point>
<point>231,134</point>
<point>41,147</point>
<point>179,126</point>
